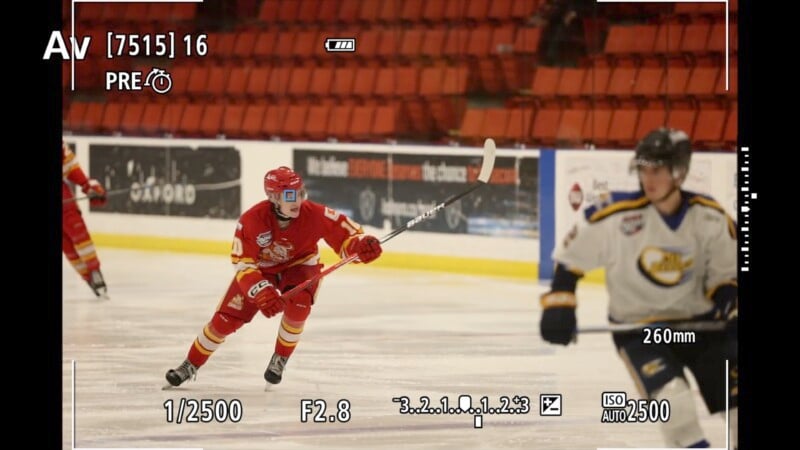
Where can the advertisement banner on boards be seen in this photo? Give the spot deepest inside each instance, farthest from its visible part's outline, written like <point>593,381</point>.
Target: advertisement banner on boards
<point>169,180</point>
<point>376,188</point>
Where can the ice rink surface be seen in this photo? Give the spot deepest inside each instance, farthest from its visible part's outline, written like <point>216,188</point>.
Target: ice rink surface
<point>374,334</point>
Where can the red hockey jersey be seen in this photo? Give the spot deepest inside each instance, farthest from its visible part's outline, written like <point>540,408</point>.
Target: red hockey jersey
<point>261,246</point>
<point>71,171</point>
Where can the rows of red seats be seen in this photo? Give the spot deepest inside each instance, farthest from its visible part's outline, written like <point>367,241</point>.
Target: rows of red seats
<point>385,11</point>
<point>381,42</point>
<point>265,83</point>
<point>421,60</point>
<point>711,126</point>
<point>499,57</point>
<point>671,37</point>
<point>626,81</point>
<point>246,121</point>
<point>123,12</point>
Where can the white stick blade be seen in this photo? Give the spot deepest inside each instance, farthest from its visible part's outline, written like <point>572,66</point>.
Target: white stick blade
<point>488,160</point>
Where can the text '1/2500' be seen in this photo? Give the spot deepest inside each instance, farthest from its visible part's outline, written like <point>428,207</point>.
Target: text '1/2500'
<point>205,410</point>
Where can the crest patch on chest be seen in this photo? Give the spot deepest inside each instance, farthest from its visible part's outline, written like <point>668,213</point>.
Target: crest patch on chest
<point>264,239</point>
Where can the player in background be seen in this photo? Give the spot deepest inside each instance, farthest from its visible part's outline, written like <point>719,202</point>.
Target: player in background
<point>75,239</point>
<point>274,249</point>
<point>669,255</point>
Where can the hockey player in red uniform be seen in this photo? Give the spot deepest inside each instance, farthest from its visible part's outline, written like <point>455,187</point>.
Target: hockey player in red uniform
<point>274,249</point>
<point>75,240</point>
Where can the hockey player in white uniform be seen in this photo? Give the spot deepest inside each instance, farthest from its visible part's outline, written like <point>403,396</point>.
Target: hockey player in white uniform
<point>669,255</point>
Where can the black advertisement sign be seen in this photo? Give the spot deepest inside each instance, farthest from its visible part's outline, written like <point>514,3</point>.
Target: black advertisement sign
<point>169,180</point>
<point>375,187</point>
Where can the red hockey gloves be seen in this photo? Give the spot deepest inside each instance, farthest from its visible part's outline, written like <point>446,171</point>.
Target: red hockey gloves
<point>558,324</point>
<point>267,298</point>
<point>96,192</point>
<point>368,248</point>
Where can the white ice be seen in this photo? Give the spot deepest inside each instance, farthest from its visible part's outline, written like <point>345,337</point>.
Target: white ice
<point>374,334</point>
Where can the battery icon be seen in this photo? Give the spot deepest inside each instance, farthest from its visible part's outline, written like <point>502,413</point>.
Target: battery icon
<point>340,45</point>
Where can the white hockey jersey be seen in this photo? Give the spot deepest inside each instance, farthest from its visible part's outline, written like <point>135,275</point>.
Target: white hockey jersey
<point>657,268</point>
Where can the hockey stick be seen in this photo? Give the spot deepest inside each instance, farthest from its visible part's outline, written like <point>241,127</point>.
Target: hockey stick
<point>711,325</point>
<point>197,187</point>
<point>108,194</point>
<point>487,165</point>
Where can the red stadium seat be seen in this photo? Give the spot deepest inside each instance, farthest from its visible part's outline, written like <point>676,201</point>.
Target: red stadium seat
<point>621,81</point>
<point>112,117</point>
<point>171,119</point>
<point>75,116</point>
<point>211,120</point>
<point>675,80</point>
<point>570,82</point>
<point>132,118</point>
<point>648,82</point>
<point>339,121</point>
<point>412,10</point>
<point>703,81</point>
<point>570,129</point>
<point>545,81</point>
<point>237,81</point>
<point>710,125</point>
<point>730,134</point>
<point>472,124</point>
<point>232,120</point>
<point>274,117</point>
<point>151,118</point>
<point>342,84</point>
<point>316,126</point>
<point>361,122</point>
<point>545,125</point>
<point>668,38</point>
<point>295,122</point>
<point>682,119</point>
<point>519,125</point>
<point>595,129</point>
<point>189,124</point>
<point>321,79</point>
<point>495,122</point>
<point>695,38</point>
<point>623,126</point>
<point>253,118</point>
<point>386,123</point>
<point>650,119</point>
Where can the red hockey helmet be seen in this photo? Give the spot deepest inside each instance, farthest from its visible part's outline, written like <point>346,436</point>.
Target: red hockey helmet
<point>277,181</point>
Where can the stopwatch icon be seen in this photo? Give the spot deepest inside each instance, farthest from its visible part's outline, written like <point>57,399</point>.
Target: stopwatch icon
<point>159,80</point>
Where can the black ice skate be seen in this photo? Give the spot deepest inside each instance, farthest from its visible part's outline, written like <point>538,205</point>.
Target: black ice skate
<point>176,377</point>
<point>98,284</point>
<point>274,372</point>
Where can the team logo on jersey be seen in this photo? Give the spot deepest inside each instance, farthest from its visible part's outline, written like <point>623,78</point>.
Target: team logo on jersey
<point>264,239</point>
<point>236,302</point>
<point>665,267</point>
<point>575,196</point>
<point>276,253</point>
<point>652,368</point>
<point>632,224</point>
